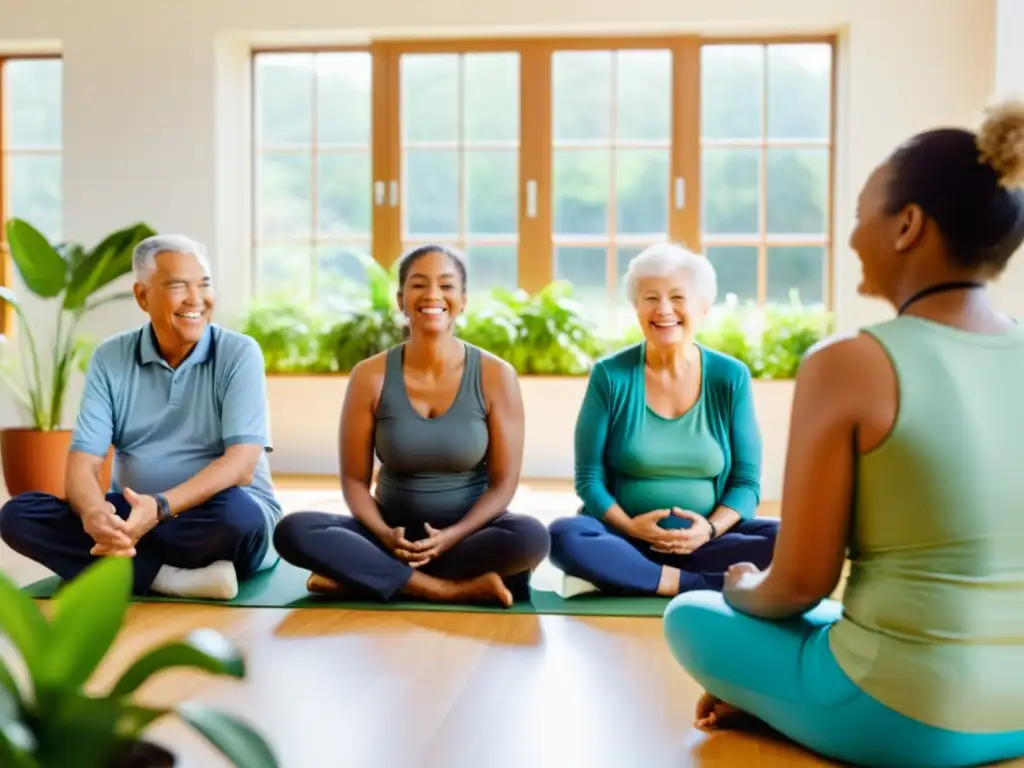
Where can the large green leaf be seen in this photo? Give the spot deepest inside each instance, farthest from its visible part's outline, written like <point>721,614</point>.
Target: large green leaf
<point>17,742</point>
<point>41,268</point>
<point>75,729</point>
<point>237,741</point>
<point>108,261</point>
<point>22,621</point>
<point>87,617</point>
<point>203,649</point>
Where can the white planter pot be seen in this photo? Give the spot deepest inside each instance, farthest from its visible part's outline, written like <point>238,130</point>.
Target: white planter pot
<point>305,410</point>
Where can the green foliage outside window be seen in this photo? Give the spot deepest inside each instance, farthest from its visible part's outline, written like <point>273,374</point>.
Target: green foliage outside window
<point>545,334</point>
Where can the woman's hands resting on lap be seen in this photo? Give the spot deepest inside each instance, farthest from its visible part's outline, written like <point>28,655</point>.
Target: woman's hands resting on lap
<point>418,553</point>
<point>675,541</point>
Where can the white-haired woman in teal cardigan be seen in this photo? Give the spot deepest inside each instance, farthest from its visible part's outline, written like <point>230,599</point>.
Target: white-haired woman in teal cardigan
<point>668,449</point>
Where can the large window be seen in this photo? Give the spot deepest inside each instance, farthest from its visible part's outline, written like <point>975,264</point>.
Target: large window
<point>547,160</point>
<point>30,149</point>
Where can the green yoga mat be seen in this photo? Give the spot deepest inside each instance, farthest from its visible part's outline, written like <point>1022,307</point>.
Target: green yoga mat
<point>284,586</point>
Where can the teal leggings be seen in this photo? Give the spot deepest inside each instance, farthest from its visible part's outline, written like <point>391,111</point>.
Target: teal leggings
<point>784,674</point>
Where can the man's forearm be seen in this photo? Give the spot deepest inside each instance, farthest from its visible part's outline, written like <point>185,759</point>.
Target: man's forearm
<point>219,475</point>
<point>82,482</point>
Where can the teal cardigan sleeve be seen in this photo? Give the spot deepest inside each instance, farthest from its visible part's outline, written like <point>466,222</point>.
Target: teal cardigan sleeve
<point>592,427</point>
<point>742,491</point>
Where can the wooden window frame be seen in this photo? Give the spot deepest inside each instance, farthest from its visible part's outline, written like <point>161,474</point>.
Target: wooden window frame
<point>535,238</point>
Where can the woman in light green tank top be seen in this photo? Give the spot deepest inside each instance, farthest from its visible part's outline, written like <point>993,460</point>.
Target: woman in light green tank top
<point>446,420</point>
<point>905,456</point>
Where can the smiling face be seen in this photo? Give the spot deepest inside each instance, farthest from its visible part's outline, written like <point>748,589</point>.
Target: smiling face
<point>178,297</point>
<point>433,294</point>
<point>668,308</point>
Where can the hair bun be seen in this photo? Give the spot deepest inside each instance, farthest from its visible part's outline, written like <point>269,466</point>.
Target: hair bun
<point>1001,141</point>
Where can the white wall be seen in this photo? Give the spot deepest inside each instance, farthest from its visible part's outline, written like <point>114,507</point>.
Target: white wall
<point>157,102</point>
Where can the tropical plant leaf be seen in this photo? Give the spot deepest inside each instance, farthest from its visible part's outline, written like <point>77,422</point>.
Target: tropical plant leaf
<point>237,741</point>
<point>82,731</point>
<point>204,649</point>
<point>33,386</point>
<point>22,622</point>
<point>17,742</point>
<point>109,260</point>
<point>42,269</point>
<point>87,617</point>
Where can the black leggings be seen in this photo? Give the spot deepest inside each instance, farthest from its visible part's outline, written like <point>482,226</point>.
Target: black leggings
<point>341,548</point>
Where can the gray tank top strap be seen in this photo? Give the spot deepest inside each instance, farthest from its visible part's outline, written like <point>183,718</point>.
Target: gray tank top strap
<point>473,377</point>
<point>393,389</point>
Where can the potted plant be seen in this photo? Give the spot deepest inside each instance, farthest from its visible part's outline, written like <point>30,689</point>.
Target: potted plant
<point>70,276</point>
<point>48,720</point>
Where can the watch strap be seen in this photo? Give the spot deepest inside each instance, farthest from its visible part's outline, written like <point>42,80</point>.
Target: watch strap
<point>163,508</point>
<point>714,531</point>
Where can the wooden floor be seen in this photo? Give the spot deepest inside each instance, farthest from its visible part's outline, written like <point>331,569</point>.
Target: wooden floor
<point>358,689</point>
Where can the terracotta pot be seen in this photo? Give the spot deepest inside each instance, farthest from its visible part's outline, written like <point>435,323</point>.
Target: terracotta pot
<point>144,754</point>
<point>35,461</point>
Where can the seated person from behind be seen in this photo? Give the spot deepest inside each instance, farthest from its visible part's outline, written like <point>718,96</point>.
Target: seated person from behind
<point>447,422</point>
<point>904,454</point>
<point>183,403</point>
<point>668,450</point>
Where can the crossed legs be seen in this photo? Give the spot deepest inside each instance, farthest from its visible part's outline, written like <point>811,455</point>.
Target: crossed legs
<point>229,528</point>
<point>491,564</point>
<point>584,547</point>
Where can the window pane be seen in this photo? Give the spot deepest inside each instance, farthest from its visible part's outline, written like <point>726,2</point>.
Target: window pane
<point>732,91</point>
<point>799,268</point>
<point>492,266</point>
<point>286,270</point>
<point>431,203</point>
<point>625,312</point>
<point>35,192</point>
<point>430,97</point>
<point>345,191</point>
<point>284,99</point>
<point>580,196</point>
<point>730,179</point>
<point>641,191</point>
<point>285,186</point>
<point>339,272</point>
<point>643,94</point>
<point>491,97</point>
<point>587,270</point>
<point>797,191</point>
<point>491,195</point>
<point>799,91</point>
<point>344,98</point>
<point>736,268</point>
<point>581,95</point>
<point>33,110</point>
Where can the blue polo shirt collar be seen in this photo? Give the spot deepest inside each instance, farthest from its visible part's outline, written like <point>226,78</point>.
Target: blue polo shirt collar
<point>150,353</point>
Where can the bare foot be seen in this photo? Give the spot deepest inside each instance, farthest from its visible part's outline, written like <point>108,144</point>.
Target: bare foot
<point>712,711</point>
<point>488,588</point>
<point>322,585</point>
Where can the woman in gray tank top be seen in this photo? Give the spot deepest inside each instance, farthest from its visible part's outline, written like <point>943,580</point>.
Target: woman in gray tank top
<point>446,420</point>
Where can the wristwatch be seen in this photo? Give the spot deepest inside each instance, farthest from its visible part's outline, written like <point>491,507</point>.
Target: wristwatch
<point>163,508</point>
<point>714,531</point>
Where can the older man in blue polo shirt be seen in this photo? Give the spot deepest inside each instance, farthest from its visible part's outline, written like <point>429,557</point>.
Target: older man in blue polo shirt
<point>183,402</point>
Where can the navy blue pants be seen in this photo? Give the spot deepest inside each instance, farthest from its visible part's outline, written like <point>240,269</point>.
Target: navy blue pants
<point>342,549</point>
<point>585,547</point>
<point>229,526</point>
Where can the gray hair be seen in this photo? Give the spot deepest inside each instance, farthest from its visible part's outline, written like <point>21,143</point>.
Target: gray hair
<point>662,259</point>
<point>144,257</point>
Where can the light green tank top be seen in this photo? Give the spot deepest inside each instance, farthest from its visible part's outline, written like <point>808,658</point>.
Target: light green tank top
<point>933,619</point>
